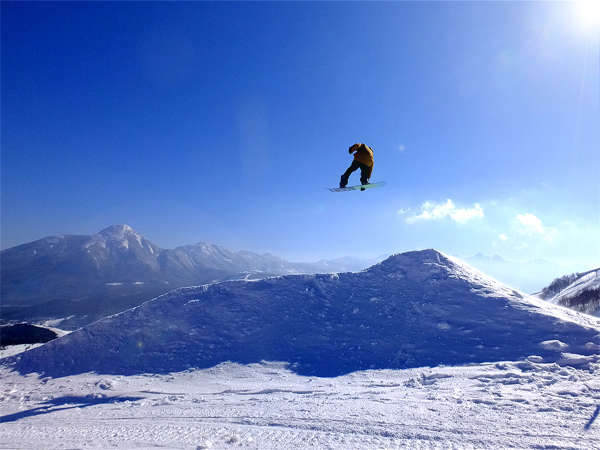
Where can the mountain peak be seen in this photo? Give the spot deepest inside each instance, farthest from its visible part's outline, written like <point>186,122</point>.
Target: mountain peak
<point>407,260</point>
<point>117,230</point>
<point>430,266</point>
<point>120,235</point>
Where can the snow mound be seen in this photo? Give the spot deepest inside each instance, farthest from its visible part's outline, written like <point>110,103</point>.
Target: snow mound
<point>414,309</point>
<point>554,345</point>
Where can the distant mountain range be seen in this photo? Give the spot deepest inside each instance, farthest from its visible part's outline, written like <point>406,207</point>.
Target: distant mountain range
<point>578,291</point>
<point>84,278</point>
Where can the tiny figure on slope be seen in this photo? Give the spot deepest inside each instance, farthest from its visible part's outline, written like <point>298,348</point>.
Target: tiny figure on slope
<point>363,160</point>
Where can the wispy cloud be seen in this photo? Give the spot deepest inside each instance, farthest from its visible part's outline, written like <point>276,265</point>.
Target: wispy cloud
<point>503,237</point>
<point>531,225</point>
<point>439,211</point>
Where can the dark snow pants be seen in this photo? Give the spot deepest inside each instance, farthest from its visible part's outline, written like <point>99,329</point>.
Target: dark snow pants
<point>365,173</point>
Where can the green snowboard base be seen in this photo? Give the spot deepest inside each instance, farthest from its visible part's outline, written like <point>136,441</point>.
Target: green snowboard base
<point>360,187</point>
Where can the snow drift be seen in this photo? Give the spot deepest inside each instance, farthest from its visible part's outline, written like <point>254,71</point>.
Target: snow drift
<point>414,309</point>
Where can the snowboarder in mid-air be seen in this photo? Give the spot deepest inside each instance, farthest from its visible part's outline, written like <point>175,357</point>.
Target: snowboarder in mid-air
<point>363,160</point>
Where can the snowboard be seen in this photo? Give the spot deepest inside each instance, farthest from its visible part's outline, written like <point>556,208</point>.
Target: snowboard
<point>360,187</point>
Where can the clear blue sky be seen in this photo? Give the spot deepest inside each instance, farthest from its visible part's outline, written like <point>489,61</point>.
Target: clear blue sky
<point>225,122</point>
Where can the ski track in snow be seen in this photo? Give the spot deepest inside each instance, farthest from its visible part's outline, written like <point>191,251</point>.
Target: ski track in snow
<point>497,405</point>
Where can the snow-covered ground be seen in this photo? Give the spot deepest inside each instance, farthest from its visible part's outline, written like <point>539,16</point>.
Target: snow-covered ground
<point>420,350</point>
<point>497,405</point>
<point>10,350</point>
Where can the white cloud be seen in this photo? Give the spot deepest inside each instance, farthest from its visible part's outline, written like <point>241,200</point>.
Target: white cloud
<point>463,215</point>
<point>503,237</point>
<point>439,211</point>
<point>530,224</point>
<point>403,211</point>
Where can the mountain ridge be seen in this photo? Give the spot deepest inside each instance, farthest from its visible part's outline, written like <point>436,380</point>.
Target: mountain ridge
<point>91,276</point>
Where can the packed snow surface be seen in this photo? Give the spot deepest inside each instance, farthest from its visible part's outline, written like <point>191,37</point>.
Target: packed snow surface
<point>523,404</point>
<point>347,360</point>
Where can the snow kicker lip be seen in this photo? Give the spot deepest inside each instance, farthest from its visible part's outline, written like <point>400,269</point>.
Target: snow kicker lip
<point>414,309</point>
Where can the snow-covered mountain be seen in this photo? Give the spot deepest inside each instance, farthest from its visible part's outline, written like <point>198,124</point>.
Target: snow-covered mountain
<point>74,266</point>
<point>414,309</point>
<point>579,291</point>
<point>89,277</point>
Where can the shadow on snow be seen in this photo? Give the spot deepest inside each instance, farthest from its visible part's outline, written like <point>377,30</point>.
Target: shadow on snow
<point>64,403</point>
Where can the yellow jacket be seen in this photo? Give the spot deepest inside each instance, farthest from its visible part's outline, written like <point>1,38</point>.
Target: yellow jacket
<point>364,153</point>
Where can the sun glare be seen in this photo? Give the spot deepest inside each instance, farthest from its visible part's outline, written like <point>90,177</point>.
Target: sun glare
<point>588,14</point>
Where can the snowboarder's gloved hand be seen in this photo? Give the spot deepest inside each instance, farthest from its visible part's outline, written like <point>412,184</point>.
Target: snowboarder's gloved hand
<point>354,147</point>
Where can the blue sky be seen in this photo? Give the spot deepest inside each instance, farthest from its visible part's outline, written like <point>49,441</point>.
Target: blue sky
<point>226,122</point>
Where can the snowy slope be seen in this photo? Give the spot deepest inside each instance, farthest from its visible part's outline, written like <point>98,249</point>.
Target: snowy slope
<point>412,310</point>
<point>582,292</point>
<point>586,282</point>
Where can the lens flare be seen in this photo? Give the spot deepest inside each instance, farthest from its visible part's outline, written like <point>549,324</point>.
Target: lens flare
<point>588,14</point>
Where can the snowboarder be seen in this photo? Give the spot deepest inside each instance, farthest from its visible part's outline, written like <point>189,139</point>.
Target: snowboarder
<point>363,160</point>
